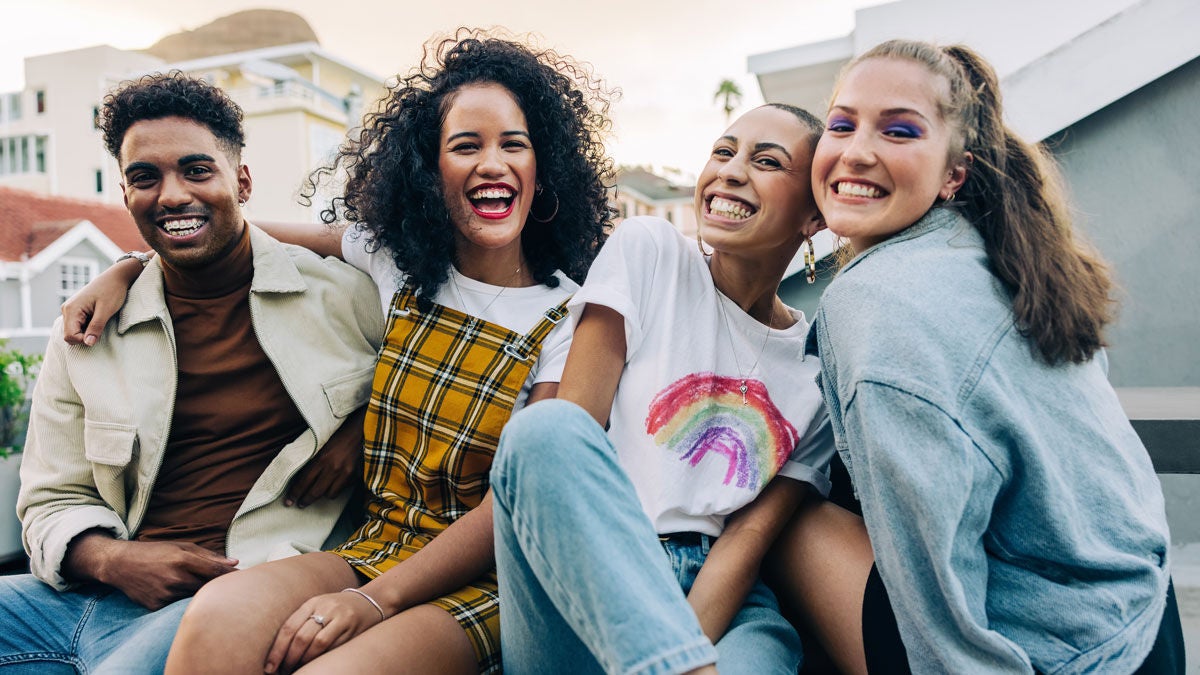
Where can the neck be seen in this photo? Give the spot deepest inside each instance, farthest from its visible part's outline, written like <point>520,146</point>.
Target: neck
<point>502,267</point>
<point>231,271</point>
<point>753,286</point>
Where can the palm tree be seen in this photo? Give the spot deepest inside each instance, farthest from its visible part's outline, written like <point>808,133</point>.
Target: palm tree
<point>728,90</point>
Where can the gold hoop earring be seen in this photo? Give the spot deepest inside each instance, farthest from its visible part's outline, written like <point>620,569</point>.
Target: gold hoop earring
<point>552,214</point>
<point>700,245</point>
<point>810,261</point>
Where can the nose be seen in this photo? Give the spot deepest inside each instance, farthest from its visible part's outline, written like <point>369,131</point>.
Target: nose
<point>733,171</point>
<point>858,150</point>
<point>491,164</point>
<point>174,193</point>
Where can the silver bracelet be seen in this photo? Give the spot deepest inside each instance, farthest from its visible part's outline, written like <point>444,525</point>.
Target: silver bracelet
<point>369,599</point>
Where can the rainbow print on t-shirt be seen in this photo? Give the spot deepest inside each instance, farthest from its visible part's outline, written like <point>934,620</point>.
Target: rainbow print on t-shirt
<point>704,414</point>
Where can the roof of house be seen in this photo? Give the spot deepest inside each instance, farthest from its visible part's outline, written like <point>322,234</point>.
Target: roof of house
<point>1049,83</point>
<point>32,221</point>
<point>651,186</point>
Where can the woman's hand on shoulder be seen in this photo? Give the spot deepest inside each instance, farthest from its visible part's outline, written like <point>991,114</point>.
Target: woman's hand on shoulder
<point>87,312</point>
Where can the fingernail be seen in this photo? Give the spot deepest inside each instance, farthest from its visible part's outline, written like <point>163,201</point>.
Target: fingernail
<point>288,502</point>
<point>90,340</point>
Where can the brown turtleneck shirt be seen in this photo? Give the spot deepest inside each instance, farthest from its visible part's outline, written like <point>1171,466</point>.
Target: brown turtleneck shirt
<point>232,414</point>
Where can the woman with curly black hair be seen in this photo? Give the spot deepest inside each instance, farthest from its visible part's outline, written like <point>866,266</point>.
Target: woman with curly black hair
<point>476,201</point>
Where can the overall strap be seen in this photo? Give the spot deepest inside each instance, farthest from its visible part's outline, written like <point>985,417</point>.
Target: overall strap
<point>523,348</point>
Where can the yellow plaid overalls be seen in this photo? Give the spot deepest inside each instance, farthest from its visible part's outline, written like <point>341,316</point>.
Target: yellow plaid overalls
<point>444,387</point>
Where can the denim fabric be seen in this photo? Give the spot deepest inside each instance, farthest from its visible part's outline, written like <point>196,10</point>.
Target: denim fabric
<point>585,583</point>
<point>89,630</point>
<point>1014,513</point>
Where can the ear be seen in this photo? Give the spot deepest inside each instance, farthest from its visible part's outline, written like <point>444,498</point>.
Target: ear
<point>813,225</point>
<point>245,183</point>
<point>956,175</point>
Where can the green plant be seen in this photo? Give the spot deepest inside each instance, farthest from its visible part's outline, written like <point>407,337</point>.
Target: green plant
<point>17,373</point>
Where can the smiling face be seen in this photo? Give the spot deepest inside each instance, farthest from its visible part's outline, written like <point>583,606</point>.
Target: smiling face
<point>182,189</point>
<point>886,153</point>
<point>754,193</point>
<point>488,168</point>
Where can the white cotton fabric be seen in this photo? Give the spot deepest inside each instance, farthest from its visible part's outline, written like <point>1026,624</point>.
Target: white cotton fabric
<point>518,309</point>
<point>681,351</point>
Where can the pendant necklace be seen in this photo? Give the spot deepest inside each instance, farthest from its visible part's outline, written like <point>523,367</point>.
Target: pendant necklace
<point>743,387</point>
<point>462,301</point>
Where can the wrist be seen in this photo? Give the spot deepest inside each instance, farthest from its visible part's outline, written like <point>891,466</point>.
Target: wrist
<point>90,557</point>
<point>369,599</point>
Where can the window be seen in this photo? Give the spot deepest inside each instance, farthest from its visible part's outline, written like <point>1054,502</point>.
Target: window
<point>99,181</point>
<point>10,107</point>
<point>23,154</point>
<point>40,97</point>
<point>73,274</point>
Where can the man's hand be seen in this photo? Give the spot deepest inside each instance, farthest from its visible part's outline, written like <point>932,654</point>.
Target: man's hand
<point>151,573</point>
<point>86,312</point>
<point>337,463</point>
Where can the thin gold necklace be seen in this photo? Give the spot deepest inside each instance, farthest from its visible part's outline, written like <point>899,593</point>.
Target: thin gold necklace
<point>463,302</point>
<point>743,387</point>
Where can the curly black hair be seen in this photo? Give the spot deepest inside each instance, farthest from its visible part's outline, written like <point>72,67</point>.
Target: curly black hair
<point>173,94</point>
<point>393,191</point>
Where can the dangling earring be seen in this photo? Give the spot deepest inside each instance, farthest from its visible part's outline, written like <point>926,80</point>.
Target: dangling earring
<point>810,261</point>
<point>552,214</point>
<point>700,245</point>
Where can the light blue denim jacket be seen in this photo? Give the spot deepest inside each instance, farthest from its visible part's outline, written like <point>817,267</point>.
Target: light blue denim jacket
<point>1015,516</point>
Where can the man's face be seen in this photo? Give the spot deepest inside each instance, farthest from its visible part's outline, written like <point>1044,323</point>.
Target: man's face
<point>183,189</point>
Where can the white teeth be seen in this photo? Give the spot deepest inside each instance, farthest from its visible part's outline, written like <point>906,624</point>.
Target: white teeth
<point>492,193</point>
<point>183,227</point>
<point>730,209</point>
<point>858,190</point>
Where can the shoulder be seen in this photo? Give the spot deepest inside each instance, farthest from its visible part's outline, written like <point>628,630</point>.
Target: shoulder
<point>918,311</point>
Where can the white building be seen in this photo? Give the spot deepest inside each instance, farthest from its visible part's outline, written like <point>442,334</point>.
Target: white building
<point>299,102</point>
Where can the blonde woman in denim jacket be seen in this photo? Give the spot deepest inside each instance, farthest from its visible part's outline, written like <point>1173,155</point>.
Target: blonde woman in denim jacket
<point>1016,523</point>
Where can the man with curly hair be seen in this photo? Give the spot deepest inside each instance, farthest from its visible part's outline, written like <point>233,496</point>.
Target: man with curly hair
<point>184,441</point>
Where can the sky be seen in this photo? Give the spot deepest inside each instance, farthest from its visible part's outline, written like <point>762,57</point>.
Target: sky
<point>666,56</point>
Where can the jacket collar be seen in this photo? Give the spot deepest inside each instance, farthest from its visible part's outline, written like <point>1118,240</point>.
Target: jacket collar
<point>274,272</point>
<point>934,219</point>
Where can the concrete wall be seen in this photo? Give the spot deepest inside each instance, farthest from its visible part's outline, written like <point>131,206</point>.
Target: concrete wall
<point>1133,173</point>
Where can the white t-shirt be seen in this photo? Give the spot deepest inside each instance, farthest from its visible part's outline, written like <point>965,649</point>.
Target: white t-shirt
<point>695,452</point>
<point>517,309</point>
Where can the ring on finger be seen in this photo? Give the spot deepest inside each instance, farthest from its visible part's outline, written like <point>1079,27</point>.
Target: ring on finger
<point>318,619</point>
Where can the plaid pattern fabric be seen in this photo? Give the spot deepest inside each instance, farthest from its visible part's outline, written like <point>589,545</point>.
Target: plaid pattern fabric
<point>445,385</point>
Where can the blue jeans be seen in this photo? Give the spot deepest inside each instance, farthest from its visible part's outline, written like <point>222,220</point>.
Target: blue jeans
<point>585,585</point>
<point>93,629</point>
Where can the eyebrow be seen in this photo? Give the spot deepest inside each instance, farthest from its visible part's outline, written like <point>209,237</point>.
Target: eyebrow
<point>890,112</point>
<point>759,147</point>
<point>139,166</point>
<point>195,157</point>
<point>476,134</point>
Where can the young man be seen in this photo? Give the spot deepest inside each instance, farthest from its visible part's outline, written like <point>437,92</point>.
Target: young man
<point>161,457</point>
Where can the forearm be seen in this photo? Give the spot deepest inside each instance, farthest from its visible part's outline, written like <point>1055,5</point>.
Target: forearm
<point>89,555</point>
<point>732,566</point>
<point>456,557</point>
<point>324,240</point>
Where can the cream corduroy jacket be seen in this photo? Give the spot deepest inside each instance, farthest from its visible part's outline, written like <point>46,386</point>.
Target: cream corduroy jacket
<point>101,415</point>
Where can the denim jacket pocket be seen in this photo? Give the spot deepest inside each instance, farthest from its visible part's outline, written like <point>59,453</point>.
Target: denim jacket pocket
<point>349,392</point>
<point>108,443</point>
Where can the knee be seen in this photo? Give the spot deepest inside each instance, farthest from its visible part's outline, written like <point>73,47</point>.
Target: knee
<point>208,610</point>
<point>536,436</point>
